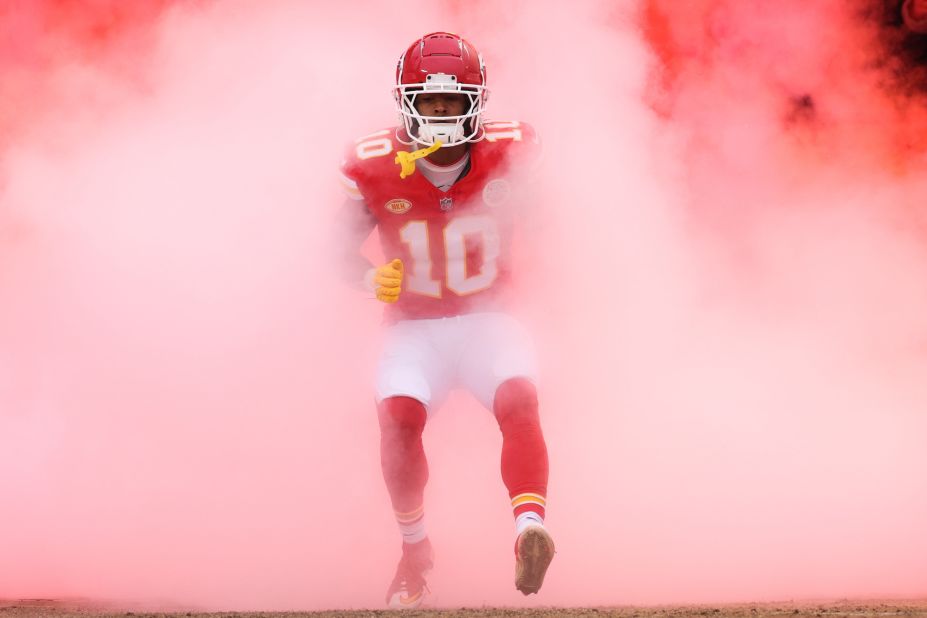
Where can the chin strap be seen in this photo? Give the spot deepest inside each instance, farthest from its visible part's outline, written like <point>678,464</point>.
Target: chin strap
<point>407,159</point>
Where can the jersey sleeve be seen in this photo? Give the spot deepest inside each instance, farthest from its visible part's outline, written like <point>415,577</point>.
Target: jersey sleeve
<point>353,220</point>
<point>533,155</point>
<point>349,187</point>
<point>522,142</point>
<point>349,174</point>
<point>355,215</point>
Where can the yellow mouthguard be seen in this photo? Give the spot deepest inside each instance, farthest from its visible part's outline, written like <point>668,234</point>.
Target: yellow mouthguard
<point>407,159</point>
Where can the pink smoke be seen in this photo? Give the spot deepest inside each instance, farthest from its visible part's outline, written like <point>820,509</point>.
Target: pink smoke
<point>728,300</point>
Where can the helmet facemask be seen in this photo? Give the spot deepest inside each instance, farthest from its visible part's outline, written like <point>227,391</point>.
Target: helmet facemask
<point>449,130</point>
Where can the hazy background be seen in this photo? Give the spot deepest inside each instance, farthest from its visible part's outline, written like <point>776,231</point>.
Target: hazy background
<point>728,295</point>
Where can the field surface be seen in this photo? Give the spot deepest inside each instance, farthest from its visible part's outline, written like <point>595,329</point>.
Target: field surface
<point>42,608</point>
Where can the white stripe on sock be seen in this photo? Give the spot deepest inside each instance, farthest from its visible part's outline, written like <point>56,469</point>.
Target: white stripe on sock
<point>526,520</point>
<point>414,532</point>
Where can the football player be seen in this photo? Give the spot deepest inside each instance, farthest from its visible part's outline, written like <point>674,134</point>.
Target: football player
<point>441,189</point>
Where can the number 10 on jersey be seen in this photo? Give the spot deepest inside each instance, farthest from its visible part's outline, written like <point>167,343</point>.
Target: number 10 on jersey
<point>479,229</point>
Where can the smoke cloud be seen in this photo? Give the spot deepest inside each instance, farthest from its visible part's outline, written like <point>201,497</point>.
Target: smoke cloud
<point>723,269</point>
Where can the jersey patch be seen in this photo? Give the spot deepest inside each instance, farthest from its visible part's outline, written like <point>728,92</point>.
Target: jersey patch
<point>398,206</point>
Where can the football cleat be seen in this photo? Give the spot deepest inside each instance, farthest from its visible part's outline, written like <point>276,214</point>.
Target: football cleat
<point>409,589</point>
<point>534,550</point>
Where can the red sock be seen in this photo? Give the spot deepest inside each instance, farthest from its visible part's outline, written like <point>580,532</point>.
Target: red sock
<point>524,453</point>
<point>402,457</point>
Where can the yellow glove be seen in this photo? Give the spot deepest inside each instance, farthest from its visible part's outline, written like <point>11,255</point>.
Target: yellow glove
<point>387,281</point>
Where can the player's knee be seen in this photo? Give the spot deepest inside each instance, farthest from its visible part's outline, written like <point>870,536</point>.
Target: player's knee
<point>401,414</point>
<point>516,402</point>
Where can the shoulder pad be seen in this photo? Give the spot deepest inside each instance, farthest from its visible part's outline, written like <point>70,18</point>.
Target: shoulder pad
<point>371,146</point>
<point>499,130</point>
<point>372,149</point>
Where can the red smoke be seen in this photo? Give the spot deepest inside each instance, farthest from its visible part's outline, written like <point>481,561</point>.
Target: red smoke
<point>725,279</point>
<point>43,41</point>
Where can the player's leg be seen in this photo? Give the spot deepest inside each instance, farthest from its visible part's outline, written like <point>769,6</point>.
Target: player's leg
<point>405,471</point>
<point>499,367</point>
<point>403,461</point>
<point>409,380</point>
<point>525,473</point>
<point>524,451</point>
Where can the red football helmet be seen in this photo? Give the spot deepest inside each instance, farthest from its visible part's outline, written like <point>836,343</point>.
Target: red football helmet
<point>441,62</point>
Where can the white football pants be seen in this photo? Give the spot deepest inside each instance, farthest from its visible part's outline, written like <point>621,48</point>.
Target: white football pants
<point>425,359</point>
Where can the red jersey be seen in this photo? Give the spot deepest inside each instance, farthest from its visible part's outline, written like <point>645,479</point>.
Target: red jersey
<point>454,244</point>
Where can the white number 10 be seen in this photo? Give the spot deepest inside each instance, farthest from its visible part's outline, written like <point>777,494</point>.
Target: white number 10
<point>418,275</point>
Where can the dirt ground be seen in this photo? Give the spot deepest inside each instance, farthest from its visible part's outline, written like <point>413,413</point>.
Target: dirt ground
<point>45,608</point>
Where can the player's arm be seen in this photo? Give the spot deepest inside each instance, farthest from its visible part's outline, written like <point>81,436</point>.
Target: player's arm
<point>527,171</point>
<point>356,222</point>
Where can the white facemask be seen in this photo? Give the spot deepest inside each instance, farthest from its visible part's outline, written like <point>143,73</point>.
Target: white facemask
<point>449,130</point>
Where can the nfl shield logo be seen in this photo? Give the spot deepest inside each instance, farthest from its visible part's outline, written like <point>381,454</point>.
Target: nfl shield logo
<point>446,203</point>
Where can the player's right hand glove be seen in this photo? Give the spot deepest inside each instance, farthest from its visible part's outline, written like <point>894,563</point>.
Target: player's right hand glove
<point>387,281</point>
